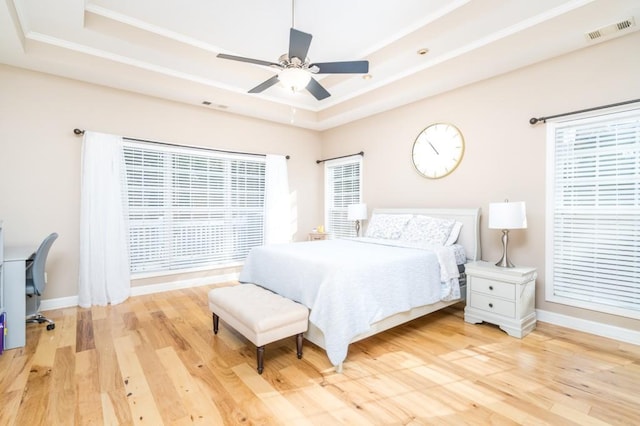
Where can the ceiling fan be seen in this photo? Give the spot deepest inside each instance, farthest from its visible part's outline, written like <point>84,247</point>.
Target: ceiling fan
<point>296,70</point>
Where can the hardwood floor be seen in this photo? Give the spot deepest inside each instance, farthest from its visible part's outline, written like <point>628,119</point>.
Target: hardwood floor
<point>154,360</point>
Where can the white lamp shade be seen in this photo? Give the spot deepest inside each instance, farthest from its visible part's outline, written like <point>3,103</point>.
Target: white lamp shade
<point>357,212</point>
<point>294,79</point>
<point>507,215</point>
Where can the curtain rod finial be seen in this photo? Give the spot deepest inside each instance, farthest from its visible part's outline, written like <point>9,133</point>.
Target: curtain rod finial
<point>78,131</point>
<point>533,120</point>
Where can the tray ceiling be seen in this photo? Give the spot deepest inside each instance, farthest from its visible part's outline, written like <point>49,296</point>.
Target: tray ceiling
<point>168,49</point>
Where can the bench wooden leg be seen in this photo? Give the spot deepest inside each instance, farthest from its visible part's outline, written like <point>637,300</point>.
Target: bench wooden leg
<point>299,345</point>
<point>216,321</point>
<point>260,354</point>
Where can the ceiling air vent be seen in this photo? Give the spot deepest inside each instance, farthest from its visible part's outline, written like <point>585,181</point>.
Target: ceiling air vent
<point>610,29</point>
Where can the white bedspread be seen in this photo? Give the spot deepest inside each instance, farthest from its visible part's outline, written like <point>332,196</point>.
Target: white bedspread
<point>350,284</point>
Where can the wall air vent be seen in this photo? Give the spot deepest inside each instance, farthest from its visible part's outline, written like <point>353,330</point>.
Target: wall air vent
<point>610,29</point>
<point>594,35</point>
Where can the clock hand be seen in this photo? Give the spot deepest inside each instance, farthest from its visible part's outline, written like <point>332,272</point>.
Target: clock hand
<point>434,148</point>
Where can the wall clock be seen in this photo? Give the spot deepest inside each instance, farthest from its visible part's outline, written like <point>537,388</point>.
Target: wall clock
<point>438,150</point>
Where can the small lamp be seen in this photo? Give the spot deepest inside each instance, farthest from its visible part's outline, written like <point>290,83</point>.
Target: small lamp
<point>357,212</point>
<point>506,216</point>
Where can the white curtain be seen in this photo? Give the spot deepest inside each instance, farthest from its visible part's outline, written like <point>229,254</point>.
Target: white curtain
<point>277,205</point>
<point>104,256</point>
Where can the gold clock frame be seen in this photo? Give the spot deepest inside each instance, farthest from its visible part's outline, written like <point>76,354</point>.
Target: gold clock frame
<point>421,142</point>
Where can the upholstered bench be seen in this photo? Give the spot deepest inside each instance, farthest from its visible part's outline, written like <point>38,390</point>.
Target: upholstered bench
<point>259,315</point>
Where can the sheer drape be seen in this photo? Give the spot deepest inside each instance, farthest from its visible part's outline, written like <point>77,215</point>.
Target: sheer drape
<point>277,206</point>
<point>104,258</point>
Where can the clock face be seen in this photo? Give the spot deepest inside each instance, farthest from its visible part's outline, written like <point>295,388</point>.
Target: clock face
<point>438,150</point>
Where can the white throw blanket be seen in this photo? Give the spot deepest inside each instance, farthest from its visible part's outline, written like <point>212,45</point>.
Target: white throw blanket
<point>449,273</point>
<point>448,259</point>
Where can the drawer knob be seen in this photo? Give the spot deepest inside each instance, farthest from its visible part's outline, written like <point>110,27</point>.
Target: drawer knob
<point>490,287</point>
<point>491,305</point>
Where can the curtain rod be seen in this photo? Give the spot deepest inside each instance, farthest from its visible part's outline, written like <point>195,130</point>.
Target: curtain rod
<point>544,119</point>
<point>343,156</point>
<point>79,132</point>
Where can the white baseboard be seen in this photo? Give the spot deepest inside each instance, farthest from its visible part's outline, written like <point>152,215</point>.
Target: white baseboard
<point>58,303</point>
<point>71,301</point>
<point>599,329</point>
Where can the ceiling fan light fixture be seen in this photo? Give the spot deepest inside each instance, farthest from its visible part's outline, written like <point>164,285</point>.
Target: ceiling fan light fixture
<point>294,79</point>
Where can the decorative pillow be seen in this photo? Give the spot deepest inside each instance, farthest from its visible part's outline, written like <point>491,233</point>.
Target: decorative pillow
<point>428,229</point>
<point>389,226</point>
<point>454,234</point>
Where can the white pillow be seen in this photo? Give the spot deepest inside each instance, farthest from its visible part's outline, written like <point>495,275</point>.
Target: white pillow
<point>388,226</point>
<point>455,233</point>
<point>428,229</point>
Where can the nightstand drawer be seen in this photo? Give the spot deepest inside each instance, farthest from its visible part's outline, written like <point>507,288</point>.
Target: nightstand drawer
<point>494,288</point>
<point>493,304</point>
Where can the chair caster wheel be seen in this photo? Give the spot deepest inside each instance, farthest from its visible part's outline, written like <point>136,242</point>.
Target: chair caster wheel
<point>51,326</point>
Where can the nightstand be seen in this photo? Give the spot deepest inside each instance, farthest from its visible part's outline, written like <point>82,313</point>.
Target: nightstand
<point>501,296</point>
<point>317,236</point>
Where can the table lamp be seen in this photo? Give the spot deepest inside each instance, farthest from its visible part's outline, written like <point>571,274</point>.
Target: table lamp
<point>357,212</point>
<point>506,216</point>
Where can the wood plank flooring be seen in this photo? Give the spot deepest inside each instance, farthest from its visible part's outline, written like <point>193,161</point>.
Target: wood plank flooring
<point>154,360</point>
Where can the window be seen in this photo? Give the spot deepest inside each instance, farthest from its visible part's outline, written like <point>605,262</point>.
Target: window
<point>593,213</point>
<point>190,208</point>
<point>343,187</point>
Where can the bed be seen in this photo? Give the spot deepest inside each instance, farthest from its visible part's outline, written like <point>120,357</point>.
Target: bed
<point>408,265</point>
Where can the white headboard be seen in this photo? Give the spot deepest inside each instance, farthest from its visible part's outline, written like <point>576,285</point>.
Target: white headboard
<point>469,234</point>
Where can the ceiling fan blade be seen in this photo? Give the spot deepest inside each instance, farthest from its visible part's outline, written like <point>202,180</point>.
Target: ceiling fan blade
<point>299,43</point>
<point>317,90</point>
<point>249,60</point>
<point>348,67</point>
<point>265,85</point>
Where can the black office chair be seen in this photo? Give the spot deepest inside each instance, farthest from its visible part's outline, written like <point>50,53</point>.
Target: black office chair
<point>36,282</point>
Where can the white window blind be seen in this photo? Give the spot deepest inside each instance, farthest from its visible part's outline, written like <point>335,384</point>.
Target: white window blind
<point>191,208</point>
<point>593,252</point>
<point>343,187</point>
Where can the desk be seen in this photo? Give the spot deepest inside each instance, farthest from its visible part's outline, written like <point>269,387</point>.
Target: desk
<point>14,293</point>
